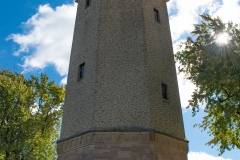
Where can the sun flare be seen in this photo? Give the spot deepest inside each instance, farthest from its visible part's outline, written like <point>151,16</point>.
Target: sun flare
<point>222,38</point>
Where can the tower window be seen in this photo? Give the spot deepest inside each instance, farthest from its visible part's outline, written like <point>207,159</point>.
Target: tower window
<point>164,91</point>
<point>88,2</point>
<point>156,15</point>
<point>81,71</point>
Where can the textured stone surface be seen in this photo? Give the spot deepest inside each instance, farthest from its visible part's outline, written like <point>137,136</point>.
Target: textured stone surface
<point>166,115</point>
<point>127,56</point>
<point>123,145</point>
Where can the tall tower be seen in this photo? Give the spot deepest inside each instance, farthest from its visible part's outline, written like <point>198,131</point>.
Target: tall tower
<point>122,99</point>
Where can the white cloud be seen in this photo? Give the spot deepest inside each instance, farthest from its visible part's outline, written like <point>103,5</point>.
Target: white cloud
<point>183,14</point>
<point>64,81</point>
<point>47,39</point>
<point>186,88</point>
<point>229,11</point>
<point>203,156</point>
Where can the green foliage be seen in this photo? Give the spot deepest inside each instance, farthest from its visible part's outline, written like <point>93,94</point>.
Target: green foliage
<point>214,68</point>
<point>30,112</point>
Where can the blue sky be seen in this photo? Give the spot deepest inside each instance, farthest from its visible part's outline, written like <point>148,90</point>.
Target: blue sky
<point>36,37</point>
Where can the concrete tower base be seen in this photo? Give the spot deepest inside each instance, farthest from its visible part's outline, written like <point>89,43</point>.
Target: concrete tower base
<point>123,145</point>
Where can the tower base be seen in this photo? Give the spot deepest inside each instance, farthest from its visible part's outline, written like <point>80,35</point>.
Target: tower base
<point>123,145</point>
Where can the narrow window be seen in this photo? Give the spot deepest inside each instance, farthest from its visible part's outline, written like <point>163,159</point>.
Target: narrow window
<point>88,2</point>
<point>156,15</point>
<point>164,91</point>
<point>81,71</point>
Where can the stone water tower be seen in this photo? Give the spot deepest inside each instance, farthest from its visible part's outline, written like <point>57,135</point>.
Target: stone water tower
<point>122,99</point>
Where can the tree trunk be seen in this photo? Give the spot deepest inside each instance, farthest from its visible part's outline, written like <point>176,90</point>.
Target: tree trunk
<point>7,155</point>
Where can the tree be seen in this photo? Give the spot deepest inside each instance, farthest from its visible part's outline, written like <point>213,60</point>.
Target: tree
<point>30,112</point>
<point>213,66</point>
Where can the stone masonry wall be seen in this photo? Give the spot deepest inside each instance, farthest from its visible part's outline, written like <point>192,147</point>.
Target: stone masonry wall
<point>166,114</point>
<point>123,146</point>
<point>79,101</point>
<point>121,72</point>
<point>127,55</point>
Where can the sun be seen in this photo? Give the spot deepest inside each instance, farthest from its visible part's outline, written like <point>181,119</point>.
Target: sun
<point>222,38</point>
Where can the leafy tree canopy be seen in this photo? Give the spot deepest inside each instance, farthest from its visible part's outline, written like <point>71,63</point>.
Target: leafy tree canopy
<point>213,65</point>
<point>30,112</point>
